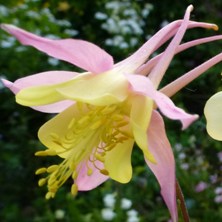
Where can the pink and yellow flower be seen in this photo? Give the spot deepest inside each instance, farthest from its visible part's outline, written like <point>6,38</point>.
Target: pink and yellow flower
<point>104,110</point>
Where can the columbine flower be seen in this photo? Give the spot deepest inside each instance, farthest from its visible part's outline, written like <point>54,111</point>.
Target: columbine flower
<point>103,111</point>
<point>213,113</point>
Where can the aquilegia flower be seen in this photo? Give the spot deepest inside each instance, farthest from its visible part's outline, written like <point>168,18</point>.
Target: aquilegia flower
<point>213,113</point>
<point>103,111</point>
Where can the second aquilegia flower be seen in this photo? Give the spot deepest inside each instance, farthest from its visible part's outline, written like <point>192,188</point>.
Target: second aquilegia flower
<point>102,112</point>
<point>213,113</point>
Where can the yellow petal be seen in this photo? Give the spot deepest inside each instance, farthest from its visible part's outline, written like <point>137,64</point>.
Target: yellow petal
<point>139,118</point>
<point>38,95</point>
<point>47,93</point>
<point>102,89</point>
<point>213,113</point>
<point>118,161</point>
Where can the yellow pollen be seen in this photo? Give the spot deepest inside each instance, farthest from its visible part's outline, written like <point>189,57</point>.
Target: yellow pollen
<point>121,124</point>
<point>51,180</point>
<point>42,182</point>
<point>89,171</point>
<point>52,168</point>
<point>49,195</point>
<point>104,172</point>
<point>108,110</point>
<point>84,119</point>
<point>74,175</point>
<point>96,125</point>
<point>99,157</point>
<point>74,189</point>
<point>40,171</point>
<point>117,117</point>
<point>72,165</point>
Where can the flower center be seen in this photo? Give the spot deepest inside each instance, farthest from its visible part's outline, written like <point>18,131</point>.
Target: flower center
<point>92,133</point>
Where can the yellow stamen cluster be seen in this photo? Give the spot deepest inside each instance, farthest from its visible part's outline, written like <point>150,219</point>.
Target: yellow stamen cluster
<point>88,137</point>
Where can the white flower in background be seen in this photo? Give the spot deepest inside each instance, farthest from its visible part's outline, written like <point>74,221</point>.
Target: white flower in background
<point>108,214</point>
<point>109,200</point>
<point>8,42</point>
<point>125,19</point>
<point>53,62</point>
<point>71,32</point>
<point>133,219</point>
<point>178,147</point>
<point>3,10</point>
<point>100,16</point>
<point>182,156</point>
<point>33,14</point>
<point>218,190</point>
<point>218,199</point>
<point>164,23</point>
<point>132,213</point>
<point>59,214</point>
<point>132,216</point>
<point>185,166</point>
<point>43,15</point>
<point>126,203</point>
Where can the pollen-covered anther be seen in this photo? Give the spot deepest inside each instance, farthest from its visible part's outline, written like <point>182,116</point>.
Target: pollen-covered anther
<point>40,171</point>
<point>121,124</point>
<point>51,180</point>
<point>84,119</point>
<point>108,110</point>
<point>52,168</point>
<point>117,117</point>
<point>99,157</point>
<point>74,189</point>
<point>104,172</point>
<point>110,147</point>
<point>96,125</point>
<point>89,171</point>
<point>74,175</point>
<point>49,195</point>
<point>72,165</point>
<point>42,182</point>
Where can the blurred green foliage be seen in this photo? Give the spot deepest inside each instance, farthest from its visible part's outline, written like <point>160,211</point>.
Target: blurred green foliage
<point>196,154</point>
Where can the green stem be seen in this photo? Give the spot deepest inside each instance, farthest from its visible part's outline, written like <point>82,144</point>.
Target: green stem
<point>182,204</point>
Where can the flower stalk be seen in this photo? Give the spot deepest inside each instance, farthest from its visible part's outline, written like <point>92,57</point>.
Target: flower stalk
<point>182,204</point>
